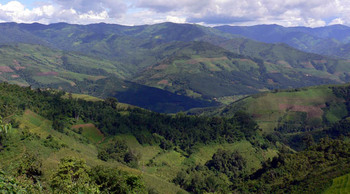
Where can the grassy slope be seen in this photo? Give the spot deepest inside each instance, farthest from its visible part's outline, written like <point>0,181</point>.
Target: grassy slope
<point>329,40</point>
<point>339,185</point>
<point>159,175</point>
<point>166,164</point>
<point>196,70</point>
<point>75,145</point>
<point>136,48</point>
<point>39,66</point>
<point>302,106</point>
<point>200,69</point>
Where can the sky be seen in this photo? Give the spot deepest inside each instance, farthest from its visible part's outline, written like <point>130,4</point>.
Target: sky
<point>310,13</point>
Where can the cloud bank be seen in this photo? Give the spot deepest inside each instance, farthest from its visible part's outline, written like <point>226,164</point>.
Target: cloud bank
<point>312,13</point>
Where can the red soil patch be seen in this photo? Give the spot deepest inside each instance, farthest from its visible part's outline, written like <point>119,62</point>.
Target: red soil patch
<point>15,76</point>
<point>270,81</point>
<point>307,64</point>
<point>50,73</point>
<point>156,76</point>
<point>312,111</point>
<point>83,125</point>
<point>195,61</point>
<point>19,67</point>
<point>161,67</point>
<point>285,63</point>
<point>95,78</point>
<point>6,69</point>
<point>86,126</point>
<point>163,82</point>
<point>244,60</point>
<point>15,62</point>
<point>192,61</point>
<point>320,61</point>
<point>282,62</point>
<point>338,73</point>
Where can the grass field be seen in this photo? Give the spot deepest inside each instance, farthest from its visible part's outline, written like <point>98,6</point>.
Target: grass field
<point>340,185</point>
<point>252,155</point>
<point>83,97</point>
<point>75,145</point>
<point>90,131</point>
<point>306,105</point>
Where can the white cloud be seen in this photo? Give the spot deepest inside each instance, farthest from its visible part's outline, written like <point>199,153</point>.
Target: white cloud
<point>336,21</point>
<point>240,12</point>
<point>311,13</point>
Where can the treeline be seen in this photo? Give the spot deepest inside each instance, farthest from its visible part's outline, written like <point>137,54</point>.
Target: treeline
<point>148,127</point>
<point>308,171</point>
<point>219,175</point>
<point>71,176</point>
<point>343,92</point>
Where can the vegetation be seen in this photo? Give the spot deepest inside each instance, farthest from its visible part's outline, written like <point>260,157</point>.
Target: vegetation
<point>293,140</point>
<point>307,171</point>
<point>328,40</point>
<point>55,135</point>
<point>184,66</point>
<point>167,146</point>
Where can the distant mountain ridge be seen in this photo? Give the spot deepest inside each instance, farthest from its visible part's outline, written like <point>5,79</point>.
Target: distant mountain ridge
<point>329,40</point>
<point>191,62</point>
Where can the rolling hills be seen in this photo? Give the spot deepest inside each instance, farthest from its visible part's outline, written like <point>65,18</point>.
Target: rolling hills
<point>292,115</point>
<point>329,40</point>
<point>48,127</point>
<point>103,140</point>
<point>164,67</point>
<point>200,69</point>
<point>41,67</point>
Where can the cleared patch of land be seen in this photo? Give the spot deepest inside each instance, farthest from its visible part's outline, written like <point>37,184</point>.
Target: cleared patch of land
<point>339,185</point>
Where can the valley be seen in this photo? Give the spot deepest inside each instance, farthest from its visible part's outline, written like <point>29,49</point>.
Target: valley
<point>173,108</point>
<point>187,66</point>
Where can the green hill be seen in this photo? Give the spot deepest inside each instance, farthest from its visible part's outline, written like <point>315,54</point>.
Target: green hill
<point>202,70</point>
<point>199,69</point>
<point>339,185</point>
<point>63,143</point>
<point>41,67</point>
<point>291,115</point>
<point>332,40</point>
<point>49,127</point>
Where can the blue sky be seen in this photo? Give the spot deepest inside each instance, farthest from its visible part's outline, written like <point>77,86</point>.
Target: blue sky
<point>27,3</point>
<point>312,13</point>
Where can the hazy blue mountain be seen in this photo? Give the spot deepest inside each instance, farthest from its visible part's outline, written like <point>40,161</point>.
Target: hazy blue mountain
<point>186,60</point>
<point>329,40</point>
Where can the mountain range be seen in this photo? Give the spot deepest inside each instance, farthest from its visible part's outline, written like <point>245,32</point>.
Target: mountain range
<point>329,40</point>
<point>182,66</point>
<point>249,116</point>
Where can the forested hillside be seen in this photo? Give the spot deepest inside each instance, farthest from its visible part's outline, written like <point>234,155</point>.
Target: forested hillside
<point>48,126</point>
<point>164,67</point>
<point>330,40</point>
<point>59,143</point>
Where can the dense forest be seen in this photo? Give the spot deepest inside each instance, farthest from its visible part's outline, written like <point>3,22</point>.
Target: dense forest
<point>325,153</point>
<point>180,132</point>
